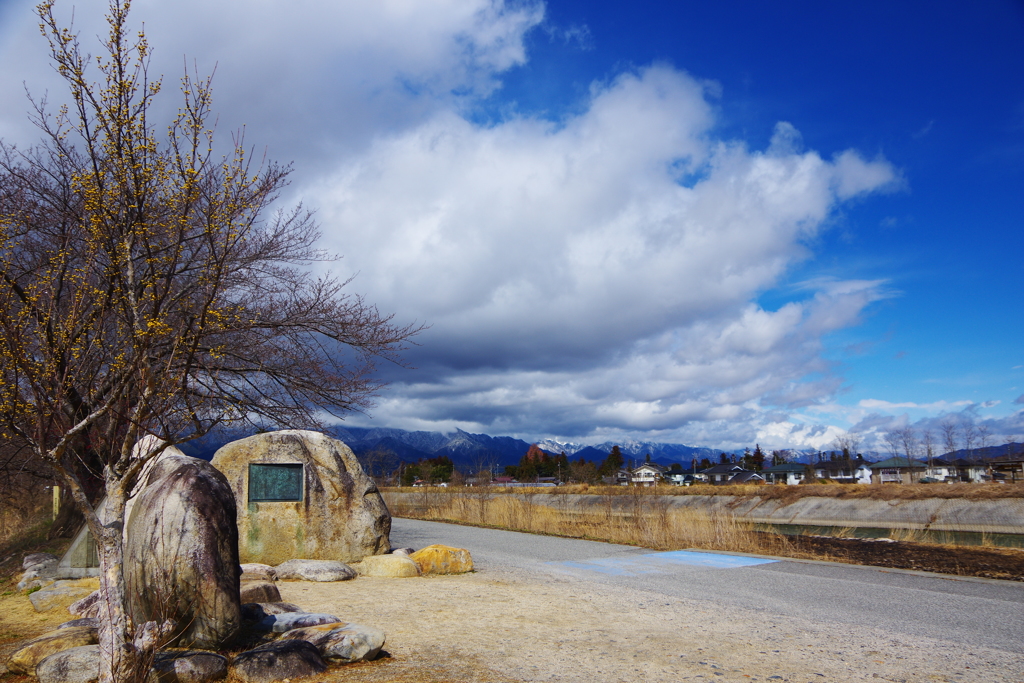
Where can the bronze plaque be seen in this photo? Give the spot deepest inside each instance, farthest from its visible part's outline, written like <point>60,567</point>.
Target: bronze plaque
<point>275,483</point>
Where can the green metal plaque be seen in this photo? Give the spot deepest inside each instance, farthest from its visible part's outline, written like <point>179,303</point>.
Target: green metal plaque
<point>275,483</point>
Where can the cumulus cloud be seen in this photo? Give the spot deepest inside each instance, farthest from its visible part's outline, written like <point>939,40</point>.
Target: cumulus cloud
<point>309,79</point>
<point>576,276</point>
<point>586,276</point>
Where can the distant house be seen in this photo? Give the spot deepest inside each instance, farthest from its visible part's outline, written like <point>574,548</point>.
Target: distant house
<point>844,470</point>
<point>971,470</point>
<point>722,474</point>
<point>942,470</point>
<point>785,473</point>
<point>620,478</point>
<point>746,477</point>
<point>897,470</point>
<point>1008,467</point>
<point>680,478</point>
<point>648,474</point>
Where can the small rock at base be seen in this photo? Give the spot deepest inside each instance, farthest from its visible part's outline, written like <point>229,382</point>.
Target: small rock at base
<point>77,665</point>
<point>27,658</point>
<point>443,559</point>
<point>62,593</point>
<point>341,642</point>
<point>394,566</point>
<point>39,559</point>
<point>279,623</point>
<point>282,659</point>
<point>258,591</point>
<point>256,611</point>
<point>91,622</point>
<point>315,570</point>
<point>255,570</point>
<point>189,666</point>
<point>89,606</point>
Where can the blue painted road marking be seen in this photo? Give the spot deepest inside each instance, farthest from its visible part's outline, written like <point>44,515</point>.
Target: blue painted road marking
<point>659,563</point>
<point>709,559</point>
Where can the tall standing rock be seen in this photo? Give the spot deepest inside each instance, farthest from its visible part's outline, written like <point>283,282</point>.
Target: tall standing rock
<point>181,551</point>
<point>303,495</point>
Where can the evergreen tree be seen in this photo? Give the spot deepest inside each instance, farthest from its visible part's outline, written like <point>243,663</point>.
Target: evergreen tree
<point>613,463</point>
<point>757,458</point>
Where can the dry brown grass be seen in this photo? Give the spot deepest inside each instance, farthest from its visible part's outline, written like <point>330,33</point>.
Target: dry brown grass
<point>647,521</point>
<point>787,494</point>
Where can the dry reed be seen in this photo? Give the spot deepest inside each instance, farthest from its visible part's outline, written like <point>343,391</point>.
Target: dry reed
<point>643,520</point>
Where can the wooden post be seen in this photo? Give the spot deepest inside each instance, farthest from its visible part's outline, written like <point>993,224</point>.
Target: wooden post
<point>56,501</point>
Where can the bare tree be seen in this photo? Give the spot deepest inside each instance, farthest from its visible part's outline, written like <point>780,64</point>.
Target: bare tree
<point>892,441</point>
<point>847,443</point>
<point>908,439</point>
<point>143,293</point>
<point>984,438</point>
<point>380,464</point>
<point>949,431</point>
<point>969,434</point>
<point>928,441</point>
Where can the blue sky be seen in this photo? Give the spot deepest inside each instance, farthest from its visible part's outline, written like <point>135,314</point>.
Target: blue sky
<point>710,223</point>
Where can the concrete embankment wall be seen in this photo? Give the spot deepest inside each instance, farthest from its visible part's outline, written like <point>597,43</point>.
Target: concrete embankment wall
<point>1003,516</point>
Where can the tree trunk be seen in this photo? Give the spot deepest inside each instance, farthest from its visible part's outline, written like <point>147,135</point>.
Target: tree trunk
<point>119,659</point>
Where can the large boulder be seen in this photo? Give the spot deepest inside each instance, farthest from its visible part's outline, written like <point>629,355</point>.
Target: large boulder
<point>29,655</point>
<point>303,495</point>
<point>181,552</point>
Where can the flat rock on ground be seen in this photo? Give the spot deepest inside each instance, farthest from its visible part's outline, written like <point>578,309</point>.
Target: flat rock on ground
<point>258,591</point>
<point>393,566</point>
<point>442,559</point>
<point>77,665</point>
<point>341,642</point>
<point>59,595</point>
<point>287,621</point>
<point>36,650</point>
<point>315,570</point>
<point>278,661</point>
<point>191,666</point>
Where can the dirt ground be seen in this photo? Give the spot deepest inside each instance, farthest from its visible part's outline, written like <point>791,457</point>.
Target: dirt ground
<point>505,626</point>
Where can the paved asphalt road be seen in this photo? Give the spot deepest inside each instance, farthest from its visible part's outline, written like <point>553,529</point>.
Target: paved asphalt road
<point>973,612</point>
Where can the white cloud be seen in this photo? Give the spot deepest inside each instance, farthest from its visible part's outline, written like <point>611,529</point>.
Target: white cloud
<point>876,404</point>
<point>309,79</point>
<point>594,275</point>
<point>573,282</point>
